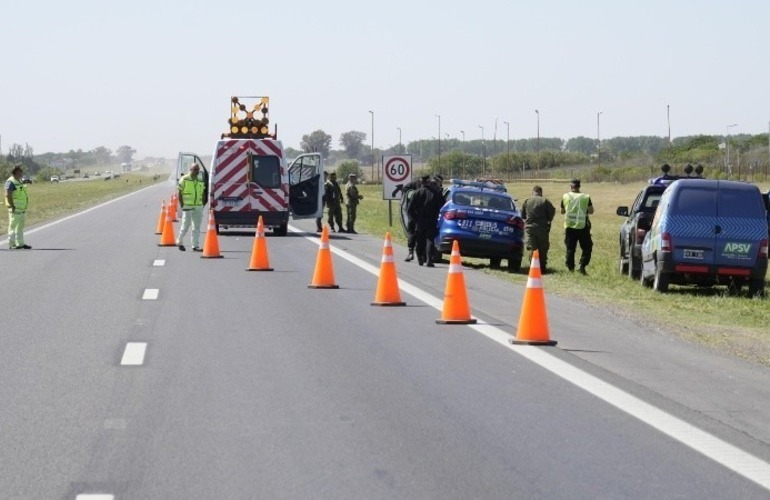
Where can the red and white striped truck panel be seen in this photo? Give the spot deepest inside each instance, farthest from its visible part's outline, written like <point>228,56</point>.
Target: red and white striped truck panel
<point>230,187</point>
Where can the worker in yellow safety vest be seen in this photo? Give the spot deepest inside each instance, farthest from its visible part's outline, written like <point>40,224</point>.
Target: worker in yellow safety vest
<point>193,193</point>
<point>576,207</point>
<point>17,201</point>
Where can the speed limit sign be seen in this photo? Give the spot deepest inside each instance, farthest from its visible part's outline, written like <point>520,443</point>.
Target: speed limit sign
<point>397,170</point>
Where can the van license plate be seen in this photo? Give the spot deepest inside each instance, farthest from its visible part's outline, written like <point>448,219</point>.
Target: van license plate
<point>693,254</point>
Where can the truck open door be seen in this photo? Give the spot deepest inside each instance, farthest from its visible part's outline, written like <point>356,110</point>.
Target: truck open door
<point>306,186</point>
<point>184,162</point>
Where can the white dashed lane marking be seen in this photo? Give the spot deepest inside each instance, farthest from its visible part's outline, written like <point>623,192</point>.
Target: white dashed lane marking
<point>134,354</point>
<point>159,263</point>
<point>150,294</point>
<point>94,496</point>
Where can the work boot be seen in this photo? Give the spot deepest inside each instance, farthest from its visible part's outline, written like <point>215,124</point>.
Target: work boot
<point>181,247</point>
<point>410,256</point>
<point>582,271</point>
<point>352,230</point>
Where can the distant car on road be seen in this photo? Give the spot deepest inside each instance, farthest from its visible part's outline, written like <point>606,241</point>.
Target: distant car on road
<point>54,178</point>
<point>26,180</point>
<point>108,175</point>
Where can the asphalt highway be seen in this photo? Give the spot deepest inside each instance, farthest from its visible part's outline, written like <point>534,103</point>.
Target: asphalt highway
<point>133,371</point>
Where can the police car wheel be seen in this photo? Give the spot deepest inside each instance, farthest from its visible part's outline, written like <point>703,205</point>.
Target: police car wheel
<point>633,267</point>
<point>757,288</point>
<point>623,266</point>
<point>494,262</point>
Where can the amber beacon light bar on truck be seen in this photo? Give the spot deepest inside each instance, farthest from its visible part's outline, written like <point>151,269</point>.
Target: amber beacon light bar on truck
<point>250,122</point>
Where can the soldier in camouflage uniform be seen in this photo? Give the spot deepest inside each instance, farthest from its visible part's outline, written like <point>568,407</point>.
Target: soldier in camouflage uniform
<point>538,213</point>
<point>333,193</point>
<point>351,191</point>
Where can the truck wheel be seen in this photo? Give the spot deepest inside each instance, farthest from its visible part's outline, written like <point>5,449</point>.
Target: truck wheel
<point>646,282</point>
<point>494,262</point>
<point>757,288</point>
<point>660,282</point>
<point>281,230</point>
<point>217,228</point>
<point>623,266</point>
<point>634,267</point>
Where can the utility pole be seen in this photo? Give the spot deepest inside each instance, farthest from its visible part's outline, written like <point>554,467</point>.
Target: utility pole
<point>727,141</point>
<point>668,119</point>
<point>399,139</point>
<point>598,140</point>
<point>508,144</point>
<point>439,143</point>
<point>538,139</point>
<point>483,152</point>
<point>372,113</point>
<point>462,155</point>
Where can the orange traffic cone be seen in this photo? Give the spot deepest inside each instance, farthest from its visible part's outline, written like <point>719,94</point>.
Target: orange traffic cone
<point>388,293</point>
<point>456,310</point>
<point>211,243</point>
<point>167,237</point>
<point>161,218</point>
<point>533,321</point>
<point>172,207</point>
<point>323,276</point>
<point>259,259</point>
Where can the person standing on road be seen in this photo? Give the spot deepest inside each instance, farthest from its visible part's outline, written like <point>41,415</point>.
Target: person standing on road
<point>193,193</point>
<point>351,191</point>
<point>576,207</point>
<point>17,201</point>
<point>334,201</point>
<point>424,209</point>
<point>411,223</point>
<point>538,212</point>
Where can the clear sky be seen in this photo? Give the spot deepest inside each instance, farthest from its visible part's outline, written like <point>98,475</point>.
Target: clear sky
<point>158,75</point>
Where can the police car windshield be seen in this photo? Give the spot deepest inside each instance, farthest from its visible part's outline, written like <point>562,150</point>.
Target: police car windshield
<point>266,171</point>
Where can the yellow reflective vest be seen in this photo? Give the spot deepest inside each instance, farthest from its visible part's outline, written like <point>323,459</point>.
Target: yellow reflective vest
<point>18,195</point>
<point>575,210</point>
<point>192,190</point>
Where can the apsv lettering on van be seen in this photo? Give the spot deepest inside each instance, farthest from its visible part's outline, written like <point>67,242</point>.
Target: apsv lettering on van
<point>738,250</point>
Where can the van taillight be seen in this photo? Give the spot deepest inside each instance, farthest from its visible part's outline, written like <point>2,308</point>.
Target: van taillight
<point>640,235</point>
<point>665,242</point>
<point>763,249</point>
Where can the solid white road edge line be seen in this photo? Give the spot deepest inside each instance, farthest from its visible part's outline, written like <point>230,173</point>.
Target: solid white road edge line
<point>716,449</point>
<point>150,294</point>
<point>77,214</point>
<point>94,496</point>
<point>133,355</point>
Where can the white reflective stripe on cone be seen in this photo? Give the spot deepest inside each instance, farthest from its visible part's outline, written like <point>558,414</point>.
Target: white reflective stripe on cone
<point>534,283</point>
<point>535,263</point>
<point>455,268</point>
<point>388,244</point>
<point>325,246</point>
<point>387,258</point>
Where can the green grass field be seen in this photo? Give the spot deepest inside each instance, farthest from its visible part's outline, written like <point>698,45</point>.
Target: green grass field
<point>709,316</point>
<point>52,200</point>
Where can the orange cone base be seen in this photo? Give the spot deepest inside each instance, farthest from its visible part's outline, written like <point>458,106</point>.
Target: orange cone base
<point>533,342</point>
<point>456,321</point>
<point>211,256</point>
<point>263,269</point>
<point>389,304</point>
<point>323,286</point>
<point>167,244</point>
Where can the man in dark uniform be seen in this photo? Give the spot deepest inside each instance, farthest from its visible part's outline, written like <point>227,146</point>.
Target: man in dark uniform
<point>424,209</point>
<point>411,223</point>
<point>538,212</point>
<point>576,207</point>
<point>319,220</point>
<point>334,200</point>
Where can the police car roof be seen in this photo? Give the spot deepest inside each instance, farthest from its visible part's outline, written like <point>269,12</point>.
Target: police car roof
<point>480,184</point>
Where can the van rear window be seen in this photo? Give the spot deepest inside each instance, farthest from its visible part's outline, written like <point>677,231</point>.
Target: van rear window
<point>695,201</point>
<point>266,171</point>
<point>740,203</point>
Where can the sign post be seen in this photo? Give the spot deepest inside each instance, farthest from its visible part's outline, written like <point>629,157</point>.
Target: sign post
<point>397,171</point>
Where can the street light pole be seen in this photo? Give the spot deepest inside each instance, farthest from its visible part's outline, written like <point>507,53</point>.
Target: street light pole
<point>507,142</point>
<point>462,155</point>
<point>598,140</point>
<point>399,139</point>
<point>439,143</point>
<point>727,140</point>
<point>668,119</point>
<point>372,176</point>
<point>483,152</point>
<point>538,139</point>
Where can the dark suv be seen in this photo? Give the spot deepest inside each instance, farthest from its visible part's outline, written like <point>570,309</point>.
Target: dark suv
<point>639,218</point>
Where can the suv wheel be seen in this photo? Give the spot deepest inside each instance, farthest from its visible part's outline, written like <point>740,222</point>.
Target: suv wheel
<point>494,262</point>
<point>634,267</point>
<point>281,230</point>
<point>623,266</point>
<point>660,281</point>
<point>647,283</point>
